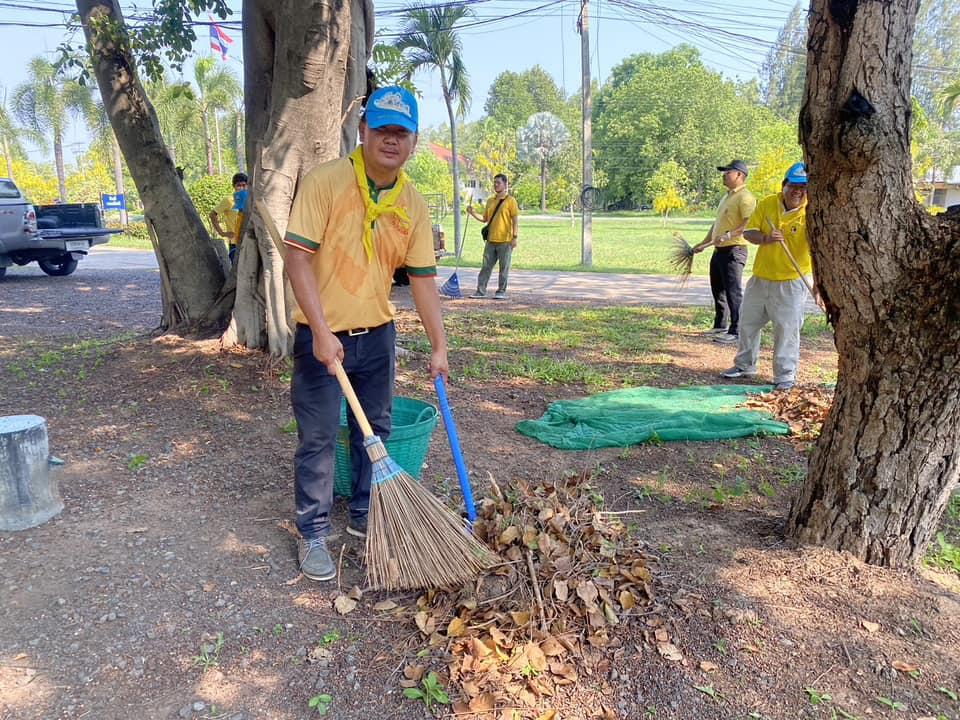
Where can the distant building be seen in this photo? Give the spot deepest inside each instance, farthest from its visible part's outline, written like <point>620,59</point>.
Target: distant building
<point>469,184</point>
<point>941,188</point>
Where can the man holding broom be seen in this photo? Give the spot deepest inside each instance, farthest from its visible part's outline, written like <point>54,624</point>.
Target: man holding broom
<point>354,221</point>
<point>729,252</point>
<point>779,286</point>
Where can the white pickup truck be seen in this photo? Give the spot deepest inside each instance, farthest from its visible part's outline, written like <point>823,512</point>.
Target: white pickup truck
<point>53,236</point>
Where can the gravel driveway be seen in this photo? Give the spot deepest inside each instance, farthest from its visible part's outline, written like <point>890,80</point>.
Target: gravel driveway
<point>91,302</point>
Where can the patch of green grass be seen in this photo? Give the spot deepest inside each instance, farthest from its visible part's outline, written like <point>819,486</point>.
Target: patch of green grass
<point>944,554</point>
<point>431,692</point>
<point>320,703</point>
<point>290,427</point>
<point>209,654</point>
<point>137,462</point>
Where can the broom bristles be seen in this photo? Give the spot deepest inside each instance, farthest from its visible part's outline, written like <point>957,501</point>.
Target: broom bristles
<point>413,540</point>
<point>681,258</point>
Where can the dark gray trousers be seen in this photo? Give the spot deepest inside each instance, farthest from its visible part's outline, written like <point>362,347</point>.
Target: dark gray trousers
<point>369,361</point>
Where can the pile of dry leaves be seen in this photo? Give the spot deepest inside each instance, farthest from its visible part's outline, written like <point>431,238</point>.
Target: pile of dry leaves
<point>804,408</point>
<point>547,615</point>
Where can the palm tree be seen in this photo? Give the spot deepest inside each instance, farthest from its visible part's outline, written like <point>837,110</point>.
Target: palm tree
<point>542,139</point>
<point>44,103</point>
<point>429,42</point>
<point>175,104</point>
<point>947,98</point>
<point>9,135</point>
<point>219,89</point>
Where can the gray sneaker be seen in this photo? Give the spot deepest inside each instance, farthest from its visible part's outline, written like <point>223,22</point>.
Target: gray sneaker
<point>736,372</point>
<point>478,294</point>
<point>357,527</point>
<point>499,295</point>
<point>783,386</point>
<point>315,560</point>
<point>726,339</point>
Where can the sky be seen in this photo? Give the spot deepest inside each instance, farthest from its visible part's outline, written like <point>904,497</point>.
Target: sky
<point>733,37</point>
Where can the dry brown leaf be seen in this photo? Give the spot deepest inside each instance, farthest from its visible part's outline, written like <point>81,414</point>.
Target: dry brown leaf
<point>870,627</point>
<point>482,703</point>
<point>520,619</point>
<point>530,535</point>
<point>905,667</point>
<point>535,657</point>
<point>509,535</point>
<point>414,672</point>
<point>708,666</point>
<point>552,647</point>
<point>610,615</point>
<point>514,553</point>
<point>587,592</point>
<point>425,622</point>
<point>561,590</point>
<point>549,714</point>
<point>456,628</point>
<point>471,688</point>
<point>385,605</point>
<point>545,514</point>
<point>661,635</point>
<point>670,651</point>
<point>344,604</point>
<point>499,639</point>
<point>355,593</point>
<point>460,708</point>
<point>405,683</point>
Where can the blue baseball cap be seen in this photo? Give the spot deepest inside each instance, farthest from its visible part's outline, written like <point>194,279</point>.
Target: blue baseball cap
<point>392,106</point>
<point>797,174</point>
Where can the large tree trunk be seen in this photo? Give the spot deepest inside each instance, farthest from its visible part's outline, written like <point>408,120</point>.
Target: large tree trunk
<point>303,64</point>
<point>58,161</point>
<point>195,264</point>
<point>118,175</point>
<point>882,471</point>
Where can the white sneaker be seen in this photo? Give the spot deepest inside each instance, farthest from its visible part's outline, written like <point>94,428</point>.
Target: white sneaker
<point>715,331</point>
<point>726,339</point>
<point>736,372</point>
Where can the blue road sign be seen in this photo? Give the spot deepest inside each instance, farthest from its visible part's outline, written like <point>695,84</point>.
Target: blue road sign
<point>114,202</point>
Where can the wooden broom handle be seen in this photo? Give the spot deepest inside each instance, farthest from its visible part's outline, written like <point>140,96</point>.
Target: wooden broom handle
<point>354,402</point>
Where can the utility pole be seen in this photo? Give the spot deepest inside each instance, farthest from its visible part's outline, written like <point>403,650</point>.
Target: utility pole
<point>587,194</point>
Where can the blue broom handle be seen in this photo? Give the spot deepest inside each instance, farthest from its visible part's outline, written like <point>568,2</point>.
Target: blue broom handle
<point>455,447</point>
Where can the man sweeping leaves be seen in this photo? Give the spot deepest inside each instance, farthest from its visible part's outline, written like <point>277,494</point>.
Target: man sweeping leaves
<point>354,221</point>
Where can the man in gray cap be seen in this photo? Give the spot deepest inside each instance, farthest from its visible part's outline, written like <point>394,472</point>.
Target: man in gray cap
<point>729,252</point>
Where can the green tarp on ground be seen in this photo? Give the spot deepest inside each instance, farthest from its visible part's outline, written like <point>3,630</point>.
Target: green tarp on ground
<point>634,415</point>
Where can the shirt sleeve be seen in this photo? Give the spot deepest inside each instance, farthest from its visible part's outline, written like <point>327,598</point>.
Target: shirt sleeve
<point>307,216</point>
<point>748,204</point>
<point>757,217</point>
<point>420,260</point>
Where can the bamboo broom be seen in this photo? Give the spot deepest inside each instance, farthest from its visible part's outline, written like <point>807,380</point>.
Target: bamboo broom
<point>413,539</point>
<point>681,258</point>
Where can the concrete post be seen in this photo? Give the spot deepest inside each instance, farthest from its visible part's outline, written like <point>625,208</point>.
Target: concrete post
<point>28,490</point>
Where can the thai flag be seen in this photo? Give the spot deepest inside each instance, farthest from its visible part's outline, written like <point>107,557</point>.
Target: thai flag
<point>219,40</point>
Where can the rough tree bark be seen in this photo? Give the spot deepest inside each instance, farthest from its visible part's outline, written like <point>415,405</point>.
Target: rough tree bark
<point>888,457</point>
<point>195,263</point>
<point>304,69</point>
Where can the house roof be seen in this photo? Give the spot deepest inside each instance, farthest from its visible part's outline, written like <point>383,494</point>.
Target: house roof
<point>446,155</point>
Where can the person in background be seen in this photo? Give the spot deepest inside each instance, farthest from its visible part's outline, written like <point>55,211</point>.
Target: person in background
<point>776,292</point>
<point>354,221</point>
<point>729,252</point>
<point>502,221</point>
<point>228,213</point>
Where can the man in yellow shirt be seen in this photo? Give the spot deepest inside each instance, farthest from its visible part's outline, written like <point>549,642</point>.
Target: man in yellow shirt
<point>729,251</point>
<point>776,292</point>
<point>228,212</point>
<point>354,221</point>
<point>502,223</point>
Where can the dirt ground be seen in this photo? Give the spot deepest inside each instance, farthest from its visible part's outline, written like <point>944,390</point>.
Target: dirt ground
<point>167,588</point>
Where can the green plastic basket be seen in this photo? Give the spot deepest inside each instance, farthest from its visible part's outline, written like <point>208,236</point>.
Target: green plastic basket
<point>413,423</point>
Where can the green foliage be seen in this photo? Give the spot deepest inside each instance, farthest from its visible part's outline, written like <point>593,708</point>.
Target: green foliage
<point>664,107</point>
<point>209,655</point>
<point>431,692</point>
<point>320,703</point>
<point>429,173</point>
<point>514,97</point>
<point>785,67</point>
<point>944,554</point>
<point>209,191</point>
<point>36,181</point>
<point>666,186</point>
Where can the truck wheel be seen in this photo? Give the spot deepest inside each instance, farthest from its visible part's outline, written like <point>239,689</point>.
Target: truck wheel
<point>59,267</point>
